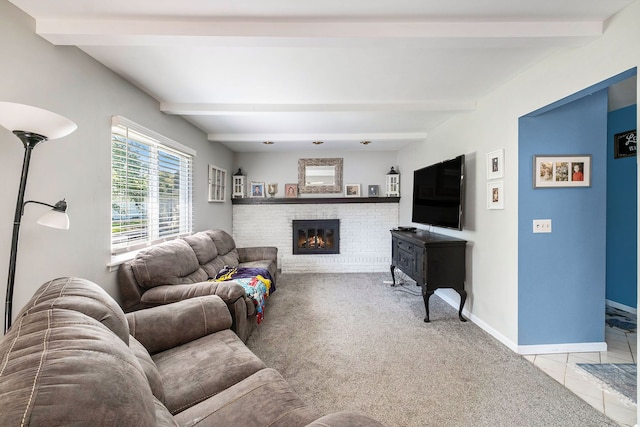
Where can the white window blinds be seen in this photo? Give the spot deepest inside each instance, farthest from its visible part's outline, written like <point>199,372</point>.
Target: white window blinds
<point>151,187</point>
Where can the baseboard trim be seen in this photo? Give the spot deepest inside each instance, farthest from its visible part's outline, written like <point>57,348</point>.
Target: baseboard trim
<point>585,347</point>
<point>621,306</point>
<point>455,303</point>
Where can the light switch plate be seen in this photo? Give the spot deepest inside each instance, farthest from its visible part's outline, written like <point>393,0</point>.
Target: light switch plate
<point>542,226</point>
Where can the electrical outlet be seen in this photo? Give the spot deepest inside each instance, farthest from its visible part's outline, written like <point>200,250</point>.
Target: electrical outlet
<point>542,226</point>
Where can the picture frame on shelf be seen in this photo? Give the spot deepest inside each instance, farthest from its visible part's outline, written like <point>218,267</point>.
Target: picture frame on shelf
<point>556,171</point>
<point>257,189</point>
<point>495,164</point>
<point>291,190</point>
<point>373,191</point>
<point>352,190</point>
<point>495,195</point>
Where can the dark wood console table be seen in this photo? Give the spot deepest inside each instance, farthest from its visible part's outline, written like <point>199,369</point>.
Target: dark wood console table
<point>432,260</point>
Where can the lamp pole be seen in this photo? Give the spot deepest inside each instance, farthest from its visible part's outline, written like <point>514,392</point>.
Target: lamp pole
<point>29,140</point>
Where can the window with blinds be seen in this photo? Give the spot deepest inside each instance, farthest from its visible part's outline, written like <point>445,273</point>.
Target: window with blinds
<point>151,187</point>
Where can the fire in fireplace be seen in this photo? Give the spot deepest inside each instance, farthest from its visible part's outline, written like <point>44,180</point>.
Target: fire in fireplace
<point>316,236</point>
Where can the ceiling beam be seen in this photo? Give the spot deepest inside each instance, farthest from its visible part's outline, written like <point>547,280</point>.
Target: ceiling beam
<point>290,137</point>
<point>199,109</point>
<point>86,32</point>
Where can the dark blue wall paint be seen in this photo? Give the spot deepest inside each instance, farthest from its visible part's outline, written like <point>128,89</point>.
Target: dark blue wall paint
<point>561,275</point>
<point>622,251</point>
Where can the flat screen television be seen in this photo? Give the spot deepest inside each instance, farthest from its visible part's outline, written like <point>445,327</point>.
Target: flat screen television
<point>438,194</point>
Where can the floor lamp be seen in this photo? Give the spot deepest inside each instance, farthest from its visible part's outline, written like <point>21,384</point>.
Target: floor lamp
<point>32,126</point>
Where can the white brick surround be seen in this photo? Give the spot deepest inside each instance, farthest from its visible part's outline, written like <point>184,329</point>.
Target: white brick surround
<point>365,240</point>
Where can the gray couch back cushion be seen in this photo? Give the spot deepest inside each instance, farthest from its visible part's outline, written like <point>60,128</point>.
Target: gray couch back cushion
<point>169,263</point>
<point>214,249</point>
<point>63,368</point>
<point>74,293</point>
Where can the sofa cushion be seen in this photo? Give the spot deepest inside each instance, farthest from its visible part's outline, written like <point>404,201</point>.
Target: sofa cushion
<point>203,368</point>
<point>169,263</point>
<point>80,295</point>
<point>263,399</point>
<point>171,325</point>
<point>202,246</point>
<point>149,367</point>
<point>61,367</point>
<point>164,418</point>
<point>223,241</point>
<point>228,291</point>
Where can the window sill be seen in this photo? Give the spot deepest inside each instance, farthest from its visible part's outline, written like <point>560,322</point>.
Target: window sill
<point>116,260</point>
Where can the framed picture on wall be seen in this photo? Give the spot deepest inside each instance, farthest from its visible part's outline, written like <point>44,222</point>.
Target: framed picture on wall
<point>625,144</point>
<point>495,164</point>
<point>553,171</point>
<point>495,195</point>
<point>374,190</point>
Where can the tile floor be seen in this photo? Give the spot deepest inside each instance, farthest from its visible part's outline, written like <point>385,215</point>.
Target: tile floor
<point>621,348</point>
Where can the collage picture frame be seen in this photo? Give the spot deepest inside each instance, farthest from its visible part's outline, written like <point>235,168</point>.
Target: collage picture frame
<point>555,171</point>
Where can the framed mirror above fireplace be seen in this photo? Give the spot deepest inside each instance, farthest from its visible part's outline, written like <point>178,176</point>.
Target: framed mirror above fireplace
<point>321,175</point>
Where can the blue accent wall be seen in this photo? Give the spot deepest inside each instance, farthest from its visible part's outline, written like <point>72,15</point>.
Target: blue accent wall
<point>561,275</point>
<point>622,250</point>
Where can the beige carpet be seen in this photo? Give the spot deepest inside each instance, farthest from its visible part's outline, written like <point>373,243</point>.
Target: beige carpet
<point>350,342</point>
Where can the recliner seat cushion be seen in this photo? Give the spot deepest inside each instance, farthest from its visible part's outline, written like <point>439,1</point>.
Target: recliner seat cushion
<point>203,368</point>
<point>263,399</point>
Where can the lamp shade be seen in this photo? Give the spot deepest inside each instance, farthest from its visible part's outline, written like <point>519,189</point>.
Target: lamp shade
<point>33,119</point>
<point>55,219</point>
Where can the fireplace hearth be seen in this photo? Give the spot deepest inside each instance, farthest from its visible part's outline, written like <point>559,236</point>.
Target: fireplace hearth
<point>316,236</point>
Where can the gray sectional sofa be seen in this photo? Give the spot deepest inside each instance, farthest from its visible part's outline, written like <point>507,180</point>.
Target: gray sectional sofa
<point>73,357</point>
<point>179,269</point>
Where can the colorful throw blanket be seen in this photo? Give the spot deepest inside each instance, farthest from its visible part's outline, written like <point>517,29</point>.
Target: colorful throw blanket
<point>256,282</point>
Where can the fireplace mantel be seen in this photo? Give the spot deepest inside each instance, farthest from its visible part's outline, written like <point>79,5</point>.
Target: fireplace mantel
<point>311,200</point>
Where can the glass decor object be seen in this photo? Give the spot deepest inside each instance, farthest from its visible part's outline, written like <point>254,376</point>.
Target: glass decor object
<point>393,183</point>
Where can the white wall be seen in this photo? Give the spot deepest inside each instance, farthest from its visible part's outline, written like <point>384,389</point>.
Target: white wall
<point>359,167</point>
<point>492,268</point>
<point>68,82</point>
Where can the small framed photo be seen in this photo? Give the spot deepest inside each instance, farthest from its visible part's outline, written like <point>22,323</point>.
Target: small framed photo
<point>352,190</point>
<point>625,144</point>
<point>495,195</point>
<point>374,191</point>
<point>495,164</point>
<point>291,190</point>
<point>552,171</point>
<point>257,189</point>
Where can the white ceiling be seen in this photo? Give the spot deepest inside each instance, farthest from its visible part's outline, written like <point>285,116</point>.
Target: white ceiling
<point>293,72</point>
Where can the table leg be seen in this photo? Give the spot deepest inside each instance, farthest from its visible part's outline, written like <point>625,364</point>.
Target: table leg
<point>463,298</point>
<point>393,274</point>
<point>426,294</point>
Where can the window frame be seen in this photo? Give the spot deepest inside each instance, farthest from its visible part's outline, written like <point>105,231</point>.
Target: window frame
<point>161,149</point>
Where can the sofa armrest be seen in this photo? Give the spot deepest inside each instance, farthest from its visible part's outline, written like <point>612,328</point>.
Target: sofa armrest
<point>258,253</point>
<point>167,326</point>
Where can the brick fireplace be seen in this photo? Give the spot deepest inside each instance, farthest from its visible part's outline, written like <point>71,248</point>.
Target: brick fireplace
<point>365,240</point>
<point>316,236</point>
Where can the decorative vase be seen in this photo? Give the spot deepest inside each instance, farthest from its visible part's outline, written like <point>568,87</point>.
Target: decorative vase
<point>272,189</point>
